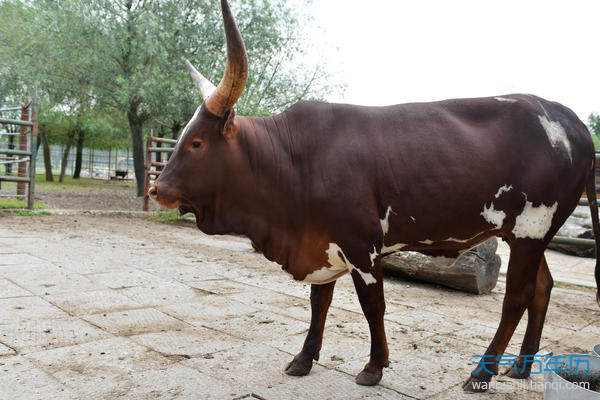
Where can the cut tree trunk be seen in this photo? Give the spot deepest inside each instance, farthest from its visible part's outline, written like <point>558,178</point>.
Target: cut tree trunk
<point>476,271</point>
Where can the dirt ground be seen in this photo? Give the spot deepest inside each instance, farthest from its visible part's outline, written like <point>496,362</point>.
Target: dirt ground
<point>91,194</point>
<point>106,307</point>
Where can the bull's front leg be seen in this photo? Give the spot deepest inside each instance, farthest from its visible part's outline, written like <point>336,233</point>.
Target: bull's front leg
<point>320,299</point>
<point>369,288</point>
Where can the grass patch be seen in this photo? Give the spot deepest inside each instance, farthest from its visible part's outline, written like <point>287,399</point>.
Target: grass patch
<point>81,184</point>
<point>168,216</point>
<point>15,203</point>
<point>29,213</point>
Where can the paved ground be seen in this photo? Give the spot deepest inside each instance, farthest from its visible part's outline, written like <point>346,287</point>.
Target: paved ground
<point>94,307</point>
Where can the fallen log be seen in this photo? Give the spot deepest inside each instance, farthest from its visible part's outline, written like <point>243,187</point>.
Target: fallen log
<point>476,271</point>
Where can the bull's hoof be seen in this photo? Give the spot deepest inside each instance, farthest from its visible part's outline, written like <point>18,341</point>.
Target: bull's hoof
<point>477,384</point>
<point>369,378</point>
<point>300,365</point>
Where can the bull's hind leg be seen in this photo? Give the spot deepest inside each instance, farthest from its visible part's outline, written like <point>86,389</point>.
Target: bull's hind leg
<point>320,299</point>
<point>525,258</point>
<point>372,303</point>
<point>536,314</point>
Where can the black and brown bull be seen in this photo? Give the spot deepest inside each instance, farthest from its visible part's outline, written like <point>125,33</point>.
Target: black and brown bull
<point>328,189</point>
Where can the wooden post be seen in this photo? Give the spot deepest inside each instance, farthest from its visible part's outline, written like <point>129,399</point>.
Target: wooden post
<point>145,202</point>
<point>22,167</point>
<point>32,143</point>
<point>109,151</point>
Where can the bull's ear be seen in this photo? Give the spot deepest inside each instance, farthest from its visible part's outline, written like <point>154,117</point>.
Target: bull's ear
<point>230,128</point>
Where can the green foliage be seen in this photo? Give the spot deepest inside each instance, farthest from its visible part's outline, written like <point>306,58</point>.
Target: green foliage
<point>12,203</point>
<point>108,65</point>
<point>81,184</point>
<point>168,216</point>
<point>29,213</point>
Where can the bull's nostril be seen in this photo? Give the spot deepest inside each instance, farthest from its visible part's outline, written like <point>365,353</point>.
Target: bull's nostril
<point>153,192</point>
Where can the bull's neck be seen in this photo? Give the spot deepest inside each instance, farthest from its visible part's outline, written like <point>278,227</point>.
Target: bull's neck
<point>265,211</point>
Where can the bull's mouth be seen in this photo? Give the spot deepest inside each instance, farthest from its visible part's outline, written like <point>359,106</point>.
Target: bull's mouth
<point>199,212</point>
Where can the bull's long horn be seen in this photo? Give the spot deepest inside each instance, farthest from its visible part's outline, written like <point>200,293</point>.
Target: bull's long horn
<point>236,70</point>
<point>204,85</point>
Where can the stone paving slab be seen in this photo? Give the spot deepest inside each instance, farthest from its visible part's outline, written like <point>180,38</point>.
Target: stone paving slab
<point>208,309</point>
<point>9,289</point>
<point>100,369</point>
<point>144,310</point>
<point>35,335</point>
<point>20,379</point>
<point>131,322</point>
<point>188,343</point>
<point>18,258</point>
<point>93,302</point>
<point>23,309</point>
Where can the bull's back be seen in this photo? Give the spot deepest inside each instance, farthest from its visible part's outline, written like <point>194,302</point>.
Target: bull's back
<point>439,164</point>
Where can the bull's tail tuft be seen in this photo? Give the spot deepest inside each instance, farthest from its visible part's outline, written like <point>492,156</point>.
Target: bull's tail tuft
<point>590,191</point>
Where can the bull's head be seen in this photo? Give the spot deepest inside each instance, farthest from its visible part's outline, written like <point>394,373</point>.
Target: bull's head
<point>207,159</point>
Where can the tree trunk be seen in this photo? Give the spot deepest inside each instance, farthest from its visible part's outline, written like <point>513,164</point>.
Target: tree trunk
<point>137,143</point>
<point>65,157</point>
<point>47,157</point>
<point>79,155</point>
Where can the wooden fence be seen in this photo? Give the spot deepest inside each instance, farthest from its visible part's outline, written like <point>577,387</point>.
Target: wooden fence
<point>153,166</point>
<point>24,156</point>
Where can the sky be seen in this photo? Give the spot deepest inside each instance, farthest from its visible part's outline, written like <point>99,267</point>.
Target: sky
<point>397,51</point>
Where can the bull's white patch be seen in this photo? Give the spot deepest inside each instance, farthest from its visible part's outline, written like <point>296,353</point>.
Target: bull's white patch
<point>187,126</point>
<point>505,99</point>
<point>413,219</point>
<point>390,249</point>
<point>503,189</point>
<point>373,256</point>
<point>556,134</point>
<point>534,222</point>
<point>339,265</point>
<point>494,217</point>
<point>325,275</point>
<point>426,241</point>
<point>385,224</point>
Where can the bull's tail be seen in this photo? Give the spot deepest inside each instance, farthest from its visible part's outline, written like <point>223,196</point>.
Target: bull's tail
<point>590,191</point>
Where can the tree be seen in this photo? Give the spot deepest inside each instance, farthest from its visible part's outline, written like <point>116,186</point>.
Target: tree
<point>128,55</point>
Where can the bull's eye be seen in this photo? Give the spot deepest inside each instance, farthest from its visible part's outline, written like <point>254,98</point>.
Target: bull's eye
<point>196,143</point>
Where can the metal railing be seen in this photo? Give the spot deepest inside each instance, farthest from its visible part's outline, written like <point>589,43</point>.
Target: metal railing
<point>24,156</point>
<point>158,165</point>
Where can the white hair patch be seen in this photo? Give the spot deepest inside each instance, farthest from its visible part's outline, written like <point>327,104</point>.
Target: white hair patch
<point>385,225</point>
<point>334,252</point>
<point>503,189</point>
<point>505,99</point>
<point>185,130</point>
<point>494,217</point>
<point>534,222</point>
<point>556,134</point>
